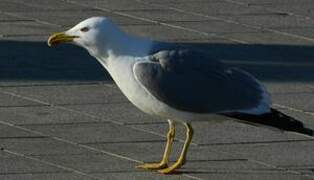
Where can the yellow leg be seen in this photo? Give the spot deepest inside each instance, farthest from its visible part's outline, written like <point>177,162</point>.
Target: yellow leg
<point>165,159</point>
<point>182,158</point>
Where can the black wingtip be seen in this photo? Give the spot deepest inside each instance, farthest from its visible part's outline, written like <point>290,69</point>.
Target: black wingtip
<point>291,124</point>
<point>306,131</point>
<point>275,119</point>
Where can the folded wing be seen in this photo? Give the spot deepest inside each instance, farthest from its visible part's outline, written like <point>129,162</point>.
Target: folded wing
<point>190,81</point>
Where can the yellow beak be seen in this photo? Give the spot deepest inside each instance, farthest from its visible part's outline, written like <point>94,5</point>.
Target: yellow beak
<point>60,37</point>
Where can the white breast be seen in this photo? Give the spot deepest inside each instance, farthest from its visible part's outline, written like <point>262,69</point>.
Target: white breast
<point>121,70</point>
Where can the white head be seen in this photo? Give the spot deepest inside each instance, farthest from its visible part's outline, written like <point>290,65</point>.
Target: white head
<point>97,34</point>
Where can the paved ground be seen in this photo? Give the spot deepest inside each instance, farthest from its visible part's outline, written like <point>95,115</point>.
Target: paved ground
<point>63,118</point>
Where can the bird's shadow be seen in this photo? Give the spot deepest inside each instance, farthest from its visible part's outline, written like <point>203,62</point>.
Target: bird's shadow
<point>268,62</point>
<point>35,61</point>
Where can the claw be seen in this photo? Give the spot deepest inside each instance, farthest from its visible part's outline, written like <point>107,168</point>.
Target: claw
<point>172,168</point>
<point>152,166</point>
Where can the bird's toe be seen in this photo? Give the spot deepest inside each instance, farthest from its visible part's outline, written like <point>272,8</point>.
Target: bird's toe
<point>152,166</point>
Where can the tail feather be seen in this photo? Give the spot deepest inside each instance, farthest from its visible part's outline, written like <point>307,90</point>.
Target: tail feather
<point>275,119</point>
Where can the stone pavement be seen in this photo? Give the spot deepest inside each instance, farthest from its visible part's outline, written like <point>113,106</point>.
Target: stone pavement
<point>62,117</point>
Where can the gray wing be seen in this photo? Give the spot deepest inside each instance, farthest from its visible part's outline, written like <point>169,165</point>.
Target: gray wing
<point>190,81</point>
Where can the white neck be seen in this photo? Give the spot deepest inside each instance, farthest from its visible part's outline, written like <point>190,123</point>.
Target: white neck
<point>121,44</point>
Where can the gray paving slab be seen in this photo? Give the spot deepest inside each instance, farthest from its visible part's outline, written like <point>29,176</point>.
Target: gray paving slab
<point>138,176</point>
<point>11,164</point>
<point>273,20</point>
<point>159,32</point>
<point>216,27</point>
<point>10,18</point>
<point>296,7</point>
<point>63,94</point>
<point>10,6</point>
<point>46,176</point>
<point>8,132</point>
<point>91,163</point>
<point>296,87</point>
<point>44,115</point>
<point>45,146</point>
<point>298,100</point>
<point>207,133</point>
<point>11,101</point>
<point>24,28</point>
<point>211,8</point>
<point>93,132</point>
<point>67,20</point>
<point>268,38</point>
<point>251,176</point>
<point>237,13</point>
<point>165,15</point>
<point>117,5</point>
<point>301,31</point>
<point>37,5</point>
<point>104,167</point>
<point>152,151</point>
<point>131,115</point>
<point>281,154</point>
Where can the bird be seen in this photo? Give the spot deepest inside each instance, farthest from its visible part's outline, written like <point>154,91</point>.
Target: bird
<point>176,83</point>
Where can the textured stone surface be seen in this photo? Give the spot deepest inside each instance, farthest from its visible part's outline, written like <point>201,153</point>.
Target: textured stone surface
<point>62,117</point>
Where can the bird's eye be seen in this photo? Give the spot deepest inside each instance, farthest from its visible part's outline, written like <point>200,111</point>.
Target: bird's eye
<point>84,29</point>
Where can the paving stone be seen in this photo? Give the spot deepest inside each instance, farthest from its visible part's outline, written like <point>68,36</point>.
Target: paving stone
<point>277,153</point>
<point>158,32</point>
<point>24,38</point>
<point>152,151</point>
<point>93,132</point>
<point>7,132</point>
<point>299,31</point>
<point>16,6</point>
<point>273,20</point>
<point>11,164</point>
<point>44,115</point>
<point>166,15</point>
<point>10,18</point>
<point>302,7</point>
<point>216,27</point>
<point>24,28</point>
<point>9,6</point>
<point>46,176</point>
<point>296,100</point>
<point>117,5</point>
<point>90,163</point>
<point>45,146</point>
<point>68,20</point>
<point>253,175</point>
<point>110,112</point>
<point>63,95</point>
<point>212,8</point>
<point>268,38</point>
<point>12,101</point>
<point>285,87</point>
<point>138,176</point>
<point>224,132</point>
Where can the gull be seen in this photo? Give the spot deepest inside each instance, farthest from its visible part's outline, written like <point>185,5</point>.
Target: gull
<point>176,83</point>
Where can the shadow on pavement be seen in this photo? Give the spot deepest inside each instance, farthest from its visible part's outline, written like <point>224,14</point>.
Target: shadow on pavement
<point>266,62</point>
<point>36,61</point>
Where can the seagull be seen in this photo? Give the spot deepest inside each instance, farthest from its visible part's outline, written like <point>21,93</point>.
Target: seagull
<point>176,83</point>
